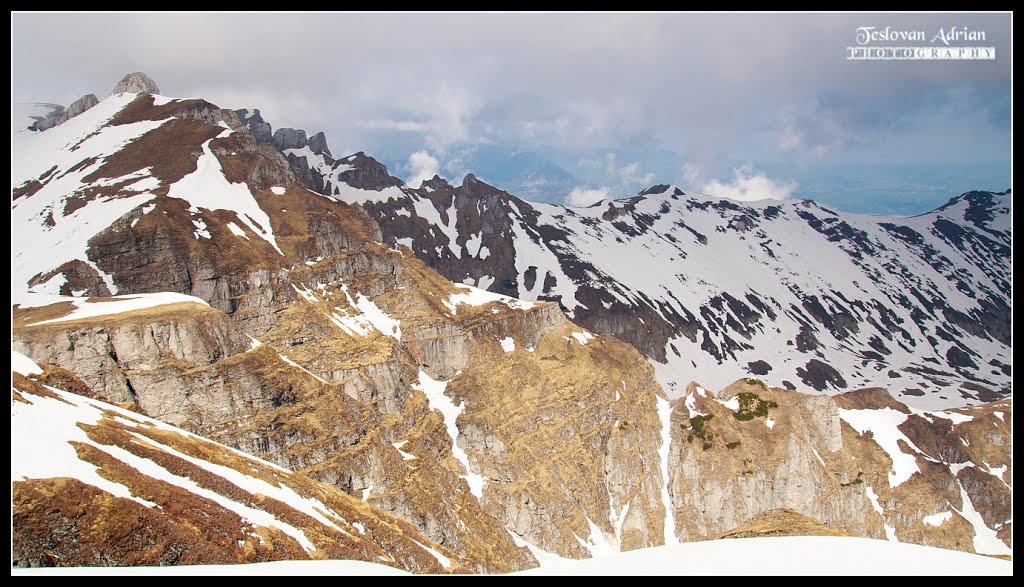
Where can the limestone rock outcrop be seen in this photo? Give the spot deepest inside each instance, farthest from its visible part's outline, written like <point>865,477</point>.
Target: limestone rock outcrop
<point>861,462</point>
<point>137,82</point>
<point>290,138</point>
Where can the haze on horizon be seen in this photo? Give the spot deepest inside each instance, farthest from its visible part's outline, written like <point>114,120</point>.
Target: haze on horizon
<point>574,107</point>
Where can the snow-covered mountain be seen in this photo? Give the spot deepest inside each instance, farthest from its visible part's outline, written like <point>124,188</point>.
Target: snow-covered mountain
<point>711,289</point>
<point>170,257</point>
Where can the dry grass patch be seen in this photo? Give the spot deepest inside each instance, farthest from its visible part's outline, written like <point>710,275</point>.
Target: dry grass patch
<point>781,522</point>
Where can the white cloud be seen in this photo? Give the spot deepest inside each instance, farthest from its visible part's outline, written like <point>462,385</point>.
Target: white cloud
<point>423,167</point>
<point>444,114</point>
<point>449,109</point>
<point>617,178</point>
<point>814,132</point>
<point>388,124</point>
<point>691,175</point>
<point>745,185</point>
<point>631,175</point>
<point>582,197</point>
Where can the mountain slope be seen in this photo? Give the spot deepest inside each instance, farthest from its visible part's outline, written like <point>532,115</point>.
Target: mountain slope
<point>161,496</point>
<point>712,289</point>
<point>310,344</point>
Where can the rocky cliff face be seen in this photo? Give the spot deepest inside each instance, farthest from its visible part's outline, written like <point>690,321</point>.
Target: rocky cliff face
<point>116,488</point>
<point>564,431</point>
<point>860,462</point>
<point>318,144</point>
<point>260,129</point>
<point>289,138</point>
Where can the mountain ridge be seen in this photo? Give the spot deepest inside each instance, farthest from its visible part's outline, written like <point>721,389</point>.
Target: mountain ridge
<point>325,334</point>
<point>562,236</point>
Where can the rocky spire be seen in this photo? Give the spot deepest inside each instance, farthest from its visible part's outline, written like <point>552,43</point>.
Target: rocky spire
<point>257,126</point>
<point>436,183</point>
<point>289,138</point>
<point>137,82</point>
<point>318,144</point>
<point>77,107</point>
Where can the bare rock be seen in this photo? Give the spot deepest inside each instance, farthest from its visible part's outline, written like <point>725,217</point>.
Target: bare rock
<point>366,173</point>
<point>77,107</point>
<point>318,144</point>
<point>257,126</point>
<point>290,138</point>
<point>138,83</point>
<point>436,183</point>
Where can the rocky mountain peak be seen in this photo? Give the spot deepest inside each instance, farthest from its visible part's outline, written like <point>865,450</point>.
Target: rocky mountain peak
<point>60,115</point>
<point>318,144</point>
<point>473,187</point>
<point>661,188</point>
<point>362,171</point>
<point>259,128</point>
<point>138,83</point>
<point>249,114</point>
<point>361,159</point>
<point>290,138</point>
<point>436,183</point>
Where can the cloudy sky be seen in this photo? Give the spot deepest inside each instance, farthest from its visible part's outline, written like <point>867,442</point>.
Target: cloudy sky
<point>567,107</point>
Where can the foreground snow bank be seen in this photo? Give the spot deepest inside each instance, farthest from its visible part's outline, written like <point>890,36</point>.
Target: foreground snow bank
<point>790,555</point>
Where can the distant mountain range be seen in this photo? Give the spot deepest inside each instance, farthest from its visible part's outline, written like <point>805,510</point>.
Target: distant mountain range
<point>713,289</point>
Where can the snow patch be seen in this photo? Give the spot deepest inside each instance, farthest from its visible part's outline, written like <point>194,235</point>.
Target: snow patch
<point>294,364</point>
<point>206,187</point>
<point>405,456</point>
<point>691,405</point>
<point>306,293</point>
<point>24,365</point>
<point>45,429</point>
<point>474,296</point>
<point>583,337</point>
<point>665,416</point>
<point>883,426</point>
<point>445,562</point>
<point>86,308</point>
<point>201,231</point>
<point>235,230</point>
<point>159,100</point>
<point>937,519</point>
<point>367,316</point>
<point>733,404</point>
<point>437,400</point>
<point>985,539</point>
<point>890,531</point>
